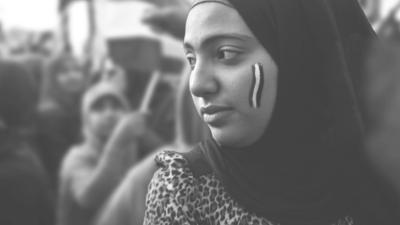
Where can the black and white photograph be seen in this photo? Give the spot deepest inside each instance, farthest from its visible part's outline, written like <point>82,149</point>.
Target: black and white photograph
<point>199,112</point>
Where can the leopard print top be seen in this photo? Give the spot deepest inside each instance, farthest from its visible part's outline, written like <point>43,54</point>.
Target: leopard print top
<point>176,197</point>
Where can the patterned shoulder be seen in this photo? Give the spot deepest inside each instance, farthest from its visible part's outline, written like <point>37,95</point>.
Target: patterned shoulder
<point>170,159</point>
<point>167,196</point>
<point>173,173</point>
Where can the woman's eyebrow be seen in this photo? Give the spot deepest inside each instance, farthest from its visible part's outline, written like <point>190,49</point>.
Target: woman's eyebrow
<point>217,37</point>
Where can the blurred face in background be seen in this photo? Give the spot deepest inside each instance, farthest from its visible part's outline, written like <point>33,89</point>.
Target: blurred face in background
<point>222,50</point>
<point>104,115</point>
<point>116,75</point>
<point>71,77</point>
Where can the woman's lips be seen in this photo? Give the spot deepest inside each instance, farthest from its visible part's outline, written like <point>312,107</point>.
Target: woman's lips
<point>214,115</point>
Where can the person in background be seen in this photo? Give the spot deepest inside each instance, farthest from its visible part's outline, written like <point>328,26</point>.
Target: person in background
<point>91,170</point>
<point>159,119</point>
<point>286,145</point>
<point>126,206</point>
<point>25,194</point>
<point>113,73</point>
<point>58,111</point>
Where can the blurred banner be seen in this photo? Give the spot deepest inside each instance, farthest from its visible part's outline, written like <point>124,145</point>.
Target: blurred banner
<point>129,41</point>
<point>119,19</point>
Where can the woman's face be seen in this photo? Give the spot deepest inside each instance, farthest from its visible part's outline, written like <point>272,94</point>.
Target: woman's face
<point>104,115</point>
<point>222,50</point>
<point>71,77</point>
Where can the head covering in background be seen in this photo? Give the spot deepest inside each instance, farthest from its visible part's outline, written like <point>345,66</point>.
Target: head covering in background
<point>17,101</point>
<point>94,94</point>
<point>33,63</point>
<point>308,165</point>
<point>17,95</point>
<point>25,195</point>
<point>100,90</point>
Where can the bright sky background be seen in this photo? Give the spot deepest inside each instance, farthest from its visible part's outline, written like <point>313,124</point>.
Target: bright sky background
<point>386,5</point>
<point>43,15</point>
<point>33,15</point>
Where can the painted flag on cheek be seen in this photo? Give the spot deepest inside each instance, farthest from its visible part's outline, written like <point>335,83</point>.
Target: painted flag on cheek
<point>256,85</point>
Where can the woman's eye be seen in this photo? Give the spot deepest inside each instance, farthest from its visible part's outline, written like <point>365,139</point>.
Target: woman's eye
<point>227,54</point>
<point>192,61</point>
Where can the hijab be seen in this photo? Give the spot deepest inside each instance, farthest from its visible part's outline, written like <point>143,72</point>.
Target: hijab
<point>17,94</point>
<point>308,164</point>
<point>17,99</point>
<point>93,95</point>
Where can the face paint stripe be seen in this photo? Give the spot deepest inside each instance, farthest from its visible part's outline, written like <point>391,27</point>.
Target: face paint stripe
<point>261,84</point>
<point>257,85</point>
<point>252,87</point>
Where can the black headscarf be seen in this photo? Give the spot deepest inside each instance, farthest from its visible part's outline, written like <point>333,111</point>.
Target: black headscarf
<point>17,95</point>
<point>307,166</point>
<point>17,99</point>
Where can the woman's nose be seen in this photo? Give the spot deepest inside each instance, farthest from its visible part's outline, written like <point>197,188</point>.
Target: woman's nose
<point>203,81</point>
<point>109,109</point>
<point>108,112</point>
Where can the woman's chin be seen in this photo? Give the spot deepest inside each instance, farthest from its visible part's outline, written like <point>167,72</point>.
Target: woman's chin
<point>229,139</point>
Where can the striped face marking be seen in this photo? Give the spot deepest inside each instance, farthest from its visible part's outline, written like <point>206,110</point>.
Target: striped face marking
<point>256,86</point>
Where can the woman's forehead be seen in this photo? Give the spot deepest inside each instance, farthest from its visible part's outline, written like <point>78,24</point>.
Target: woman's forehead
<point>213,19</point>
<point>198,2</point>
<point>210,11</point>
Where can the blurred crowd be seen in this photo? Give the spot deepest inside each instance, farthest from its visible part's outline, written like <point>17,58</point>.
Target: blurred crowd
<point>77,141</point>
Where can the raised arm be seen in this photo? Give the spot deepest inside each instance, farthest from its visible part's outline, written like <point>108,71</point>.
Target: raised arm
<point>93,180</point>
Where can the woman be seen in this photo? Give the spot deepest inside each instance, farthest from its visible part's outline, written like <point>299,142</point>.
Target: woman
<point>25,195</point>
<point>58,121</point>
<point>126,206</point>
<point>275,82</point>
<point>93,169</point>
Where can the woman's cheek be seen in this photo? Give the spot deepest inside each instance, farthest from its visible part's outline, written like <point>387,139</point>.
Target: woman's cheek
<point>94,121</point>
<point>120,114</point>
<point>257,84</point>
<point>250,87</point>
